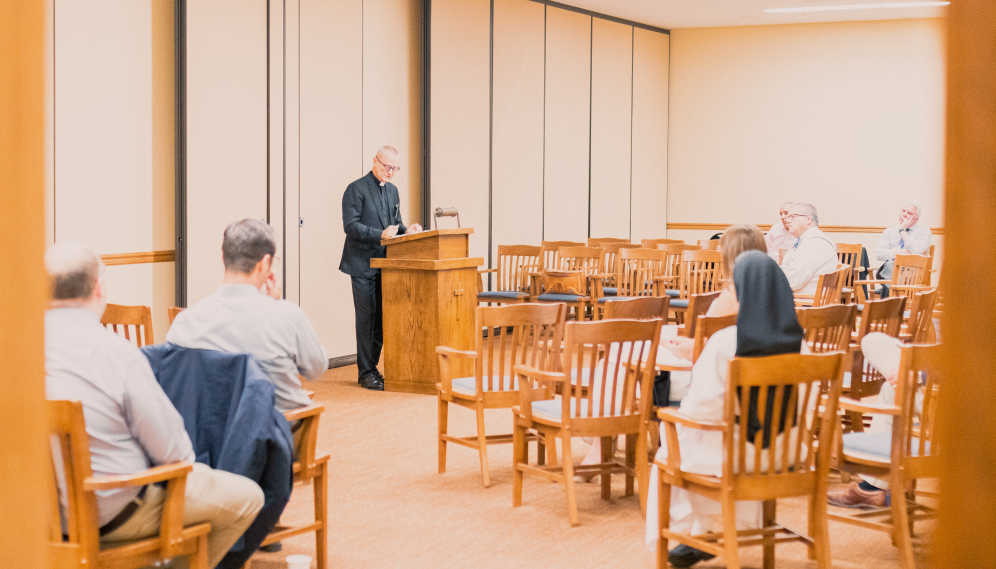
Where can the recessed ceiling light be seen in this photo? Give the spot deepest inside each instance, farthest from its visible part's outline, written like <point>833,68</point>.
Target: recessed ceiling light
<point>804,9</point>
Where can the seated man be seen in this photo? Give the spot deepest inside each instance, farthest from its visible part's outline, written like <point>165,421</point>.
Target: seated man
<point>907,237</point>
<point>238,318</point>
<point>813,253</point>
<point>778,237</point>
<point>131,423</point>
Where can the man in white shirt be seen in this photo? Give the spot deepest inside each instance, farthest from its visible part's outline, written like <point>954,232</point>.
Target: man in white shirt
<point>907,237</point>
<point>778,236</point>
<point>131,424</point>
<point>813,253</point>
<point>238,318</point>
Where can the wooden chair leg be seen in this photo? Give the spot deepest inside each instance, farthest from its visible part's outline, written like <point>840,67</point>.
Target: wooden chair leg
<point>572,505</point>
<point>540,451</point>
<point>732,554</point>
<point>642,467</point>
<point>605,478</point>
<point>482,444</point>
<point>663,521</point>
<point>519,455</point>
<point>199,558</point>
<point>631,445</point>
<point>551,450</point>
<point>768,520</point>
<point>901,522</point>
<point>443,420</point>
<point>819,528</point>
<point>321,489</point>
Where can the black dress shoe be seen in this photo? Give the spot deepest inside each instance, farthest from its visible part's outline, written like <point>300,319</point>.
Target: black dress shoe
<point>685,556</point>
<point>272,548</point>
<point>372,382</point>
<point>380,376</point>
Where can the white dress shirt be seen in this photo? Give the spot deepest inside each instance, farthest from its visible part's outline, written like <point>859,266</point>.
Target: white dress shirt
<point>130,422</point>
<point>778,238</point>
<point>812,255</point>
<point>915,239</point>
<point>240,319</point>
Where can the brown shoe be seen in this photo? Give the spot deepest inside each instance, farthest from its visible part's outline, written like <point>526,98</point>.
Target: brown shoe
<point>855,497</point>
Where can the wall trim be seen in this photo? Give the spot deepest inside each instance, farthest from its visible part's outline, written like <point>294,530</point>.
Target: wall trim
<point>167,256</point>
<point>767,226</point>
<point>601,16</point>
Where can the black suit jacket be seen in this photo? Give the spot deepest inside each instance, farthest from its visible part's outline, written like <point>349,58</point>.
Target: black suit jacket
<point>365,215</point>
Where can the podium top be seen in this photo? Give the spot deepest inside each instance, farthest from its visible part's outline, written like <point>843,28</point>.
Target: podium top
<point>425,235</point>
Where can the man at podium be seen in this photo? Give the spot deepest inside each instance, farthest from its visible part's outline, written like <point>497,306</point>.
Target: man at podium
<point>371,211</point>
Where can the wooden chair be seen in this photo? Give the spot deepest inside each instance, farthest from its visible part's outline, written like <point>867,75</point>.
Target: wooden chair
<point>511,286</point>
<point>828,328</point>
<point>863,380</point>
<point>910,452</point>
<point>698,305</point>
<point>563,285</point>
<point>309,469</point>
<point>706,327</point>
<point>618,405</point>
<point>850,255</point>
<point>81,548</point>
<point>653,243</point>
<point>172,312</point>
<point>798,466</point>
<point>637,308</point>
<point>636,271</point>
<point>710,244</point>
<point>829,288</point>
<point>534,328</point>
<point>549,259</point>
<point>919,327</point>
<point>599,241</point>
<point>610,256</point>
<point>135,320</point>
<point>672,266</point>
<point>701,272</point>
<point>910,272</point>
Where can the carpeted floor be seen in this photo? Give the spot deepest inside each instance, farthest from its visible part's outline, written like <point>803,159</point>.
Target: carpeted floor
<point>390,508</point>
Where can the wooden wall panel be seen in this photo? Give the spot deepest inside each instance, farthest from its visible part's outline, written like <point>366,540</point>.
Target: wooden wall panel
<point>460,75</point>
<point>611,133</point>
<point>650,134</point>
<point>331,158</point>
<point>568,108</point>
<point>517,144</point>
<point>226,130</point>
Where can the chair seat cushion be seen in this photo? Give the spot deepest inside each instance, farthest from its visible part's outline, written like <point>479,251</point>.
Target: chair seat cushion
<point>614,298</point>
<point>552,409</point>
<point>679,303</point>
<point>861,308</point>
<point>549,297</point>
<point>876,445</point>
<point>610,290</point>
<point>468,385</point>
<point>503,294</point>
<point>673,292</point>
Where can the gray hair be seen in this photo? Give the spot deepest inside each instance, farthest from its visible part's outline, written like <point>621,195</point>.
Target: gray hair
<point>245,244</point>
<point>73,270</point>
<point>387,151</point>
<point>916,204</point>
<point>809,210</point>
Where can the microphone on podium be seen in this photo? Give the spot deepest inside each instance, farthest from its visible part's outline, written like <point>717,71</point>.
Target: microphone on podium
<point>445,212</point>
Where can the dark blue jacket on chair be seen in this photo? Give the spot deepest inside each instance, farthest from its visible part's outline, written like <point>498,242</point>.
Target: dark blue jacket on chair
<point>226,402</point>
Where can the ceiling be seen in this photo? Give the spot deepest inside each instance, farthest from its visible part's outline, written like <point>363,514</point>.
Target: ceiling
<point>672,14</point>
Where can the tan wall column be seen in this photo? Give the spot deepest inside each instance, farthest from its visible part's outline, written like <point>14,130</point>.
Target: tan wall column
<point>968,482</point>
<point>22,284</point>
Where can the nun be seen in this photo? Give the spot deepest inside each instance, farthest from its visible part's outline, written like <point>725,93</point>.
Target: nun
<point>766,325</point>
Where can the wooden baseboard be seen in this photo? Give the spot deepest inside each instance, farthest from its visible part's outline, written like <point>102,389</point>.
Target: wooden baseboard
<point>139,258</point>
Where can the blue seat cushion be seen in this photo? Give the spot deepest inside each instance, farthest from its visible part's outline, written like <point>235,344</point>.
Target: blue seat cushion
<point>877,445</point>
<point>610,290</point>
<point>503,294</point>
<point>673,292</point>
<point>549,297</point>
<point>552,409</point>
<point>468,385</point>
<point>679,303</point>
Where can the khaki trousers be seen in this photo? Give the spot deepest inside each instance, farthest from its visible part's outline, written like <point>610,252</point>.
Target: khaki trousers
<point>227,501</point>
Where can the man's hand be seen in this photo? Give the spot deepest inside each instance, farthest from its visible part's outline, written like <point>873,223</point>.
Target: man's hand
<point>413,228</point>
<point>391,231</point>
<point>906,221</point>
<point>274,290</point>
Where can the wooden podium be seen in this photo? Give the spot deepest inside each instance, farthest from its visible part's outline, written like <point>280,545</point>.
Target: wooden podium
<point>429,287</point>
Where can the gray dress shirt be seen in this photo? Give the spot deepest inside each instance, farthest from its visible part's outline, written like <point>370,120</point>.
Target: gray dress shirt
<point>131,423</point>
<point>812,255</point>
<point>239,319</point>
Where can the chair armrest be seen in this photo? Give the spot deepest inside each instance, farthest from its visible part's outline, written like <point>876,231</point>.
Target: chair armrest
<point>540,375</point>
<point>303,412</point>
<point>449,352</point>
<point>481,271</point>
<point>666,278</point>
<point>528,394</point>
<point>913,287</point>
<point>872,281</point>
<point>156,474</point>
<point>671,415</point>
<point>445,353</point>
<point>848,404</point>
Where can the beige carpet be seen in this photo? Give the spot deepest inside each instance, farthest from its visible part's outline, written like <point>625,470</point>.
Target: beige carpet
<point>390,508</point>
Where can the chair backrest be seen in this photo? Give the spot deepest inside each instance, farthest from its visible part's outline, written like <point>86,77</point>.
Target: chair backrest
<point>66,425</point>
<point>515,262</point>
<point>781,255</point>
<point>701,271</point>
<point>172,311</point>
<point>828,328</point>
<point>698,305</point>
<point>885,315</point>
<point>654,243</point>
<point>914,436</point>
<point>828,287</point>
<point>642,308</point>
<point>849,254</point>
<point>529,334</point>
<point>610,255</point>
<point>135,323</point>
<point>921,316</point>
<point>613,363</point>
<point>911,270</point>
<point>599,241</point>
<point>636,270</point>
<point>706,327</point>
<point>711,244</point>
<point>672,266</point>
<point>930,265</point>
<point>792,394</point>
<point>550,257</point>
<point>586,259</point>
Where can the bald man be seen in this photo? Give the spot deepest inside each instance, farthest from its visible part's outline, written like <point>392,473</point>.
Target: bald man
<point>371,211</point>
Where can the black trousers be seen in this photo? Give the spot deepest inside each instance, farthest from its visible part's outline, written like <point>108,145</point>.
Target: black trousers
<point>369,322</point>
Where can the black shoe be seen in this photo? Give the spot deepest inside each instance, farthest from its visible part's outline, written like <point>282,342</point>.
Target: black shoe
<point>272,548</point>
<point>379,375</point>
<point>685,556</point>
<point>372,382</point>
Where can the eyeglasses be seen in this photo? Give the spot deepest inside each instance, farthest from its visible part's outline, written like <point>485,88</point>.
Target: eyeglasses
<point>791,215</point>
<point>390,169</point>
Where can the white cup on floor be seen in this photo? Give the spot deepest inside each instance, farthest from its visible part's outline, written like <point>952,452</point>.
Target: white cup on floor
<point>298,562</point>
